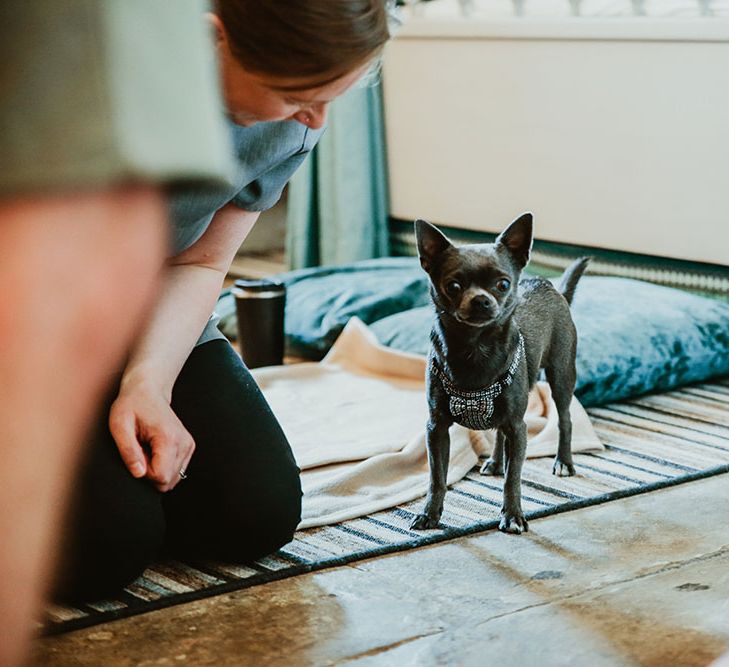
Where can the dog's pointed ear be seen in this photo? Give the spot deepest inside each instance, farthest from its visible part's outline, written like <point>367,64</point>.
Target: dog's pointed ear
<point>431,243</point>
<point>517,239</point>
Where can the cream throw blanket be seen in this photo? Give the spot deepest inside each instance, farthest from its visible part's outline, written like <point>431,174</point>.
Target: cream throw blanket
<point>356,423</point>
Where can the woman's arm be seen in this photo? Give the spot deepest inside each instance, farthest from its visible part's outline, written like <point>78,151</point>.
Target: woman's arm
<point>58,345</point>
<point>141,415</point>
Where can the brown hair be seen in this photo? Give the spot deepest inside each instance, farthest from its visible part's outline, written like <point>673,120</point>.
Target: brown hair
<point>309,39</point>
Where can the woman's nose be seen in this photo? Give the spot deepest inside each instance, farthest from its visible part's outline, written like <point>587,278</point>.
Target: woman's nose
<point>313,117</point>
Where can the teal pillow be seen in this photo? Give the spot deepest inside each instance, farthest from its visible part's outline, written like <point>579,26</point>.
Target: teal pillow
<point>633,337</point>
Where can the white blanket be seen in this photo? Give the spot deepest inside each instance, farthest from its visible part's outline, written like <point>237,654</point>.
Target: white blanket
<point>356,423</point>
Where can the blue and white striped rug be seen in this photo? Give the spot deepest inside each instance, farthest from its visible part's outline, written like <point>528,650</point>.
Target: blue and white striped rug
<point>651,443</point>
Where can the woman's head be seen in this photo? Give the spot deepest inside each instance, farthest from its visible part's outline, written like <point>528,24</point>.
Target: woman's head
<point>290,58</point>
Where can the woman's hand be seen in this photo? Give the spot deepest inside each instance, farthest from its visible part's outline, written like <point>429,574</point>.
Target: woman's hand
<point>151,440</point>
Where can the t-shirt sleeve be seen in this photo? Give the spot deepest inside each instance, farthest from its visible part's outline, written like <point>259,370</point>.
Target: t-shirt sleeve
<point>102,93</point>
<point>262,193</point>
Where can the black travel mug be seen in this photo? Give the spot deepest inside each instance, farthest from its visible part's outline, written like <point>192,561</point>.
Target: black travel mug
<point>259,306</point>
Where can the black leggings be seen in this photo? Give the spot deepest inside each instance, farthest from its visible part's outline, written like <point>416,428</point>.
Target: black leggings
<point>241,499</point>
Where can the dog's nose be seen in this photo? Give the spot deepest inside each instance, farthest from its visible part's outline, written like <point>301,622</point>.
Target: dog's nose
<point>481,304</point>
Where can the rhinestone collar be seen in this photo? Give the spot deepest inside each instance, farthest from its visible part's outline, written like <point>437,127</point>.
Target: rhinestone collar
<point>474,408</point>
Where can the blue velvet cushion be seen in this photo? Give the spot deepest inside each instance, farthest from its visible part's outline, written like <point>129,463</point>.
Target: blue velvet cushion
<point>633,337</point>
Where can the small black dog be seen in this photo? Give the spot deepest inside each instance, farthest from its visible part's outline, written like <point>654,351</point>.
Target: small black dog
<point>491,336</point>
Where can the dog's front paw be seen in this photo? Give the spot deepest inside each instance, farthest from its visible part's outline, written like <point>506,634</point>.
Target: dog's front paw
<point>492,467</point>
<point>513,523</point>
<point>563,469</point>
<point>424,522</point>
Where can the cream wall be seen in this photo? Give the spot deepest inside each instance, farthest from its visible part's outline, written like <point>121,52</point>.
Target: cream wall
<point>615,133</point>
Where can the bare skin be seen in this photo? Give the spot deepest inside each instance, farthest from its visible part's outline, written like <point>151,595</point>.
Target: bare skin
<point>76,275</point>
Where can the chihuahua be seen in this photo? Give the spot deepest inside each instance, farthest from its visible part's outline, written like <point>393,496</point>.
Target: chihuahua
<point>491,336</point>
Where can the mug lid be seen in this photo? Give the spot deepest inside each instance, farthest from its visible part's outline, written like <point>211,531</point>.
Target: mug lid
<point>259,284</point>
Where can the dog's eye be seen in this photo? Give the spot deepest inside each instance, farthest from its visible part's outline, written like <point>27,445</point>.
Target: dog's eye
<point>453,287</point>
<point>503,285</point>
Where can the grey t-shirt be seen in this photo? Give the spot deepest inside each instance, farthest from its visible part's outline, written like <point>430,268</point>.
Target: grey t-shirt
<point>266,155</point>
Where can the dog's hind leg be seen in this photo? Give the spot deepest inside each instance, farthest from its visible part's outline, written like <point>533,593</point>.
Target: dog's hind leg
<point>494,465</point>
<point>562,384</point>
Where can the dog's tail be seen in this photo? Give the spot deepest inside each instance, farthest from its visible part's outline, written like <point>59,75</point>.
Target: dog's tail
<point>571,276</point>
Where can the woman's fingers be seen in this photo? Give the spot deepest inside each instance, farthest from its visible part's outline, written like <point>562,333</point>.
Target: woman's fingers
<point>124,430</point>
<point>170,455</point>
<point>186,453</point>
<point>186,460</point>
<point>151,440</point>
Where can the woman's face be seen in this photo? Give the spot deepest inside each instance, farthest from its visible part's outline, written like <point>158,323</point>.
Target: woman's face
<point>252,98</point>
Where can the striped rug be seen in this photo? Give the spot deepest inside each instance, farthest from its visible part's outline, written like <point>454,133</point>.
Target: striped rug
<point>651,442</point>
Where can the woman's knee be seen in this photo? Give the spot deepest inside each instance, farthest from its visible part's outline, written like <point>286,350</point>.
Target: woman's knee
<point>261,522</point>
<point>244,492</point>
<point>281,506</point>
<point>273,513</point>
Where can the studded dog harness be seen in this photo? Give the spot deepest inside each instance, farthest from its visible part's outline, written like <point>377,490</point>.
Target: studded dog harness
<point>474,408</point>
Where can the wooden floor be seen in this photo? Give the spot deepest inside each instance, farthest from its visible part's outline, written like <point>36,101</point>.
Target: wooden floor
<point>640,581</point>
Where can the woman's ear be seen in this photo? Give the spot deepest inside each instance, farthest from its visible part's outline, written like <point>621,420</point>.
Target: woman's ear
<point>219,34</point>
